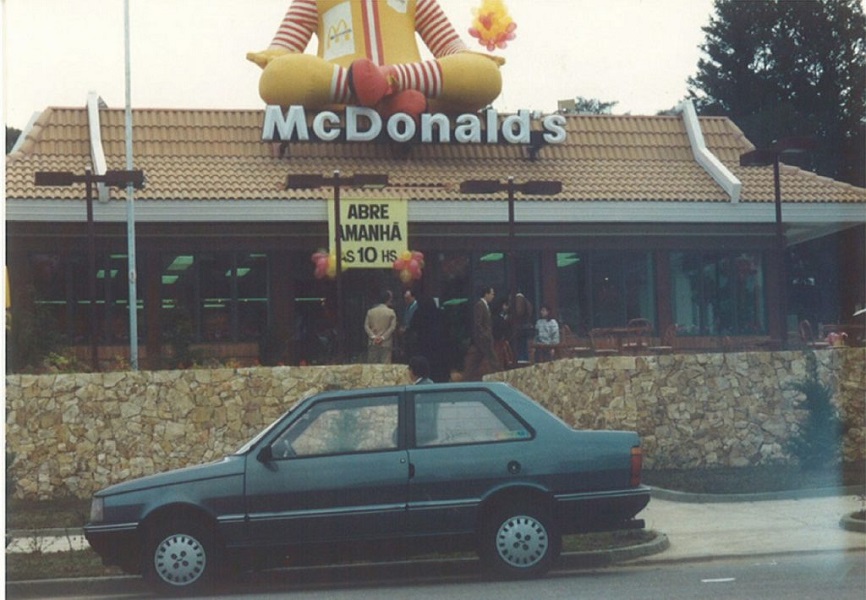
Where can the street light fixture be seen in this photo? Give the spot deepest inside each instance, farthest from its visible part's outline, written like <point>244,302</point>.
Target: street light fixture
<point>764,157</point>
<point>119,179</point>
<point>493,186</point>
<point>316,181</point>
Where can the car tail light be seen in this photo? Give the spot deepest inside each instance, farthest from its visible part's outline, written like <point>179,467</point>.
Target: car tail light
<point>636,465</point>
<point>97,510</point>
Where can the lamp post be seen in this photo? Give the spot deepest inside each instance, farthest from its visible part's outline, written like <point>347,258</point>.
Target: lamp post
<point>763,157</point>
<point>493,186</point>
<point>113,179</point>
<point>336,181</point>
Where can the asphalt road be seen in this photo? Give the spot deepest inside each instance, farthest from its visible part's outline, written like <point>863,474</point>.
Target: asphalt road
<point>837,575</point>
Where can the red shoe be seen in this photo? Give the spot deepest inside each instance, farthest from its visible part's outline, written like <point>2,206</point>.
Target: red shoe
<point>368,82</point>
<point>410,102</point>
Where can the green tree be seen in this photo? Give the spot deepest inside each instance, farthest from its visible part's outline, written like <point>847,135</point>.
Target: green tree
<point>590,106</point>
<point>11,137</point>
<point>781,68</point>
<point>818,442</point>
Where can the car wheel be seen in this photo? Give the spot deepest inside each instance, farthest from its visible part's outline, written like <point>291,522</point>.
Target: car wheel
<point>520,542</point>
<point>181,557</point>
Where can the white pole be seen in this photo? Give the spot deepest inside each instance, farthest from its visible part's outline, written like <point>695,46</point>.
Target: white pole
<point>130,204</point>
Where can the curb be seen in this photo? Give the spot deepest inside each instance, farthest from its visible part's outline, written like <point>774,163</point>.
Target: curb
<point>702,558</point>
<point>849,523</point>
<point>694,498</point>
<point>604,558</point>
<point>132,584</point>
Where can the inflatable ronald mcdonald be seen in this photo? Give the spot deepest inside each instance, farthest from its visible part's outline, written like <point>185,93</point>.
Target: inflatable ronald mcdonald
<point>367,55</point>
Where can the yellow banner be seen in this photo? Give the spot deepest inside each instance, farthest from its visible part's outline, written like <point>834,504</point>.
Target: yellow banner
<point>373,232</point>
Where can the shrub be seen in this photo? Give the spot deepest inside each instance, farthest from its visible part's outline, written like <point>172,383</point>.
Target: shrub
<point>818,441</point>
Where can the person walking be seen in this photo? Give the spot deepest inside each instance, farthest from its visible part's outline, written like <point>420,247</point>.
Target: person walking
<point>380,324</point>
<point>481,357</point>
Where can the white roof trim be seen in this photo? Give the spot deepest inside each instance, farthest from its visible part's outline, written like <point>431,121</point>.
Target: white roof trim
<point>27,129</point>
<point>439,211</point>
<point>710,163</point>
<point>97,153</point>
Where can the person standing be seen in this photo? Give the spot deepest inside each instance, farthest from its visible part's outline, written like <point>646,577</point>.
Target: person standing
<point>502,335</point>
<point>522,328</point>
<point>419,370</point>
<point>547,334</point>
<point>428,337</point>
<point>380,324</point>
<point>481,357</point>
<point>408,335</point>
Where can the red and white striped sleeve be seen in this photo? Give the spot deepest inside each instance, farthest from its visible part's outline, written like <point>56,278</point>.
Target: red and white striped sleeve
<point>436,30</point>
<point>298,26</point>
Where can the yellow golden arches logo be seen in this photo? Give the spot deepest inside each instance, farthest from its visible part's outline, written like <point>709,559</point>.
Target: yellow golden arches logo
<point>335,32</point>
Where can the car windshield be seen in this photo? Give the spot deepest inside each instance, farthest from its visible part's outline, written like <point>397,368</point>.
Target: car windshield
<point>246,447</point>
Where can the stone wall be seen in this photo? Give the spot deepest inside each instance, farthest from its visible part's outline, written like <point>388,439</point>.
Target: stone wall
<point>701,410</point>
<point>75,433</point>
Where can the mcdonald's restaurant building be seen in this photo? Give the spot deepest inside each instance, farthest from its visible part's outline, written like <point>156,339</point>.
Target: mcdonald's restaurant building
<point>656,218</point>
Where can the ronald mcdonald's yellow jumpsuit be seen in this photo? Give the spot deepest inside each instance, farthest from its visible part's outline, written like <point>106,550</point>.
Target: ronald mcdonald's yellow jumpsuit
<point>367,54</point>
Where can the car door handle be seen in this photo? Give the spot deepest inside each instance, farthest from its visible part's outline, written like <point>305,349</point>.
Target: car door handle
<point>411,470</point>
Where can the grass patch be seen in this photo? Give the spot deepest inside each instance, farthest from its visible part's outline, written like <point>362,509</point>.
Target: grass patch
<point>56,565</point>
<point>47,514</point>
<point>609,540</point>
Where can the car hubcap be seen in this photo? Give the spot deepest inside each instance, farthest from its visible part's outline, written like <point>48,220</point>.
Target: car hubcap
<point>522,541</point>
<point>180,559</point>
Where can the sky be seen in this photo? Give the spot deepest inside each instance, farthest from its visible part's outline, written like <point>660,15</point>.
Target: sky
<point>191,53</point>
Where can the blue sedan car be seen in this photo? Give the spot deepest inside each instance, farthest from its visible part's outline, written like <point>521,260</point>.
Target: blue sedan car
<point>385,473</point>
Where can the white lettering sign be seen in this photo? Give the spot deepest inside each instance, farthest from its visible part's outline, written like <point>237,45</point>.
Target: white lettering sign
<point>365,125</point>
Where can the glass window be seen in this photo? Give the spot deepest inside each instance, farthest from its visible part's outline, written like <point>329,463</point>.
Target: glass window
<point>718,293</point>
<point>115,281</point>
<point>342,426</point>
<point>216,272</point>
<point>604,289</point>
<point>447,418</point>
<point>54,314</point>
<point>252,278</point>
<point>179,290</point>
<point>214,297</point>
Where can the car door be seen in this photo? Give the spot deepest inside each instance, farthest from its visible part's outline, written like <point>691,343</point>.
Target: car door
<point>336,472</point>
<point>466,442</point>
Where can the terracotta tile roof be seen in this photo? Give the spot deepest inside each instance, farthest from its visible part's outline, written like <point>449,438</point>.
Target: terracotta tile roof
<point>218,154</point>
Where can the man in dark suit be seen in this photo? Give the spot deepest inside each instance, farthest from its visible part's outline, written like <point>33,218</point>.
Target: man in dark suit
<point>481,356</point>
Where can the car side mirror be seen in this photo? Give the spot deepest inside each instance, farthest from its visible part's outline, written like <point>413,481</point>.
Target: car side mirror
<point>265,455</point>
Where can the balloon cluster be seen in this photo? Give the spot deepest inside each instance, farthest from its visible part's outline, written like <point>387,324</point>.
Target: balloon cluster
<point>409,265</point>
<point>493,27</point>
<point>326,265</point>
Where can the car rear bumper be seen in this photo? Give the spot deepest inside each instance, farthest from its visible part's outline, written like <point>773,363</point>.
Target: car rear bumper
<point>602,511</point>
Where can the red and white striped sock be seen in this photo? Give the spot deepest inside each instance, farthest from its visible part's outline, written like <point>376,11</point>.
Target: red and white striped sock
<point>426,77</point>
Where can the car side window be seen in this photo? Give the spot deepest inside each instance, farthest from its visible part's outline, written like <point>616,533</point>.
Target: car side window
<point>365,424</point>
<point>464,417</point>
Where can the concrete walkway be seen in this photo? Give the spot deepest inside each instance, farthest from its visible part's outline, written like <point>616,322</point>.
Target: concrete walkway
<point>698,531</point>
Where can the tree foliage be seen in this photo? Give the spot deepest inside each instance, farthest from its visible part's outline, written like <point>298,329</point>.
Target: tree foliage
<point>590,106</point>
<point>11,137</point>
<point>818,442</point>
<point>782,68</point>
